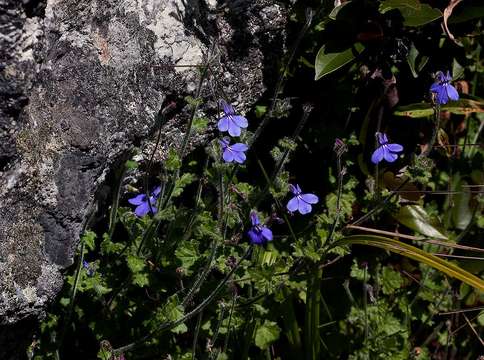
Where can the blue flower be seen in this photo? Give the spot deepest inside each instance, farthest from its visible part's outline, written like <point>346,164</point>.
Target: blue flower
<point>89,270</point>
<point>301,202</point>
<point>143,204</point>
<point>385,150</point>
<point>443,90</point>
<point>230,121</point>
<point>234,152</point>
<point>258,234</point>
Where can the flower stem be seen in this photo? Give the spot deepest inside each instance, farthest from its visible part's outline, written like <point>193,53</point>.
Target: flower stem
<point>435,131</point>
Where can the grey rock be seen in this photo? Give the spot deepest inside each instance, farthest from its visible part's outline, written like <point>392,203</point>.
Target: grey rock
<point>81,83</point>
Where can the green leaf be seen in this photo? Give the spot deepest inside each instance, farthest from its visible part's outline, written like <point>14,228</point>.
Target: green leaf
<point>391,280</point>
<point>416,218</point>
<point>415,62</point>
<point>135,264</point>
<point>466,13</point>
<point>461,212</point>
<point>131,165</point>
<point>260,111</point>
<point>89,238</point>
<point>414,13</point>
<point>459,107</point>
<point>187,253</point>
<point>414,253</point>
<point>457,70</point>
<point>327,62</point>
<point>180,183</point>
<point>173,161</point>
<point>266,334</point>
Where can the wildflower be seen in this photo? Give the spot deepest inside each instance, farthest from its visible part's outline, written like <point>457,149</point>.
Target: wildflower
<point>145,205</point>
<point>234,152</point>
<point>385,150</point>
<point>301,202</point>
<point>443,90</point>
<point>258,234</point>
<point>87,266</point>
<point>231,121</point>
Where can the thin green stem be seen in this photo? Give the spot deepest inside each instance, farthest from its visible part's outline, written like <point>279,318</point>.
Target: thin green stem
<point>195,336</point>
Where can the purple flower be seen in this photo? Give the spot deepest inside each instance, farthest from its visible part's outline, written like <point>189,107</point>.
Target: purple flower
<point>301,202</point>
<point>258,234</point>
<point>89,270</point>
<point>234,152</point>
<point>230,121</point>
<point>143,202</point>
<point>443,90</point>
<point>385,150</point>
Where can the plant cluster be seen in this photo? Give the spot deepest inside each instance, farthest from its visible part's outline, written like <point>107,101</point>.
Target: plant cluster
<point>220,254</point>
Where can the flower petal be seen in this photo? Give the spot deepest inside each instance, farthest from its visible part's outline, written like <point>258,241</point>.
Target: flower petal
<point>293,204</point>
<point>304,207</point>
<point>292,189</point>
<point>298,189</point>
<point>310,198</point>
<point>239,157</point>
<point>228,155</point>
<point>240,120</point>
<point>377,155</point>
<point>138,200</point>
<point>254,218</point>
<point>382,138</point>
<point>255,237</point>
<point>266,233</point>
<point>442,97</point>
<point>239,147</point>
<point>395,147</point>
<point>156,191</point>
<point>228,108</point>
<point>389,156</point>
<point>223,123</point>
<point>234,130</point>
<point>435,87</point>
<point>447,77</point>
<point>142,210</point>
<point>452,93</point>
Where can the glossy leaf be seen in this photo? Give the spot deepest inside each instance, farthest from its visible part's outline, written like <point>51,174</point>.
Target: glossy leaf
<point>416,218</point>
<point>327,62</point>
<point>414,13</point>
<point>414,253</point>
<point>467,12</point>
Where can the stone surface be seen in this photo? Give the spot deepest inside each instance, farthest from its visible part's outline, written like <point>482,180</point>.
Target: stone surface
<point>81,82</point>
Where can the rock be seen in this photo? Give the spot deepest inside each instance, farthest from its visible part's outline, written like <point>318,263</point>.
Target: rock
<point>81,84</point>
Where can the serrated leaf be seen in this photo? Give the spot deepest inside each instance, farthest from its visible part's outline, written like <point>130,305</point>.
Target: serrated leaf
<point>416,218</point>
<point>181,182</point>
<point>327,62</point>
<point>173,161</point>
<point>413,12</point>
<point>135,263</point>
<point>459,107</point>
<point>391,280</point>
<point>266,334</point>
<point>187,253</point>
